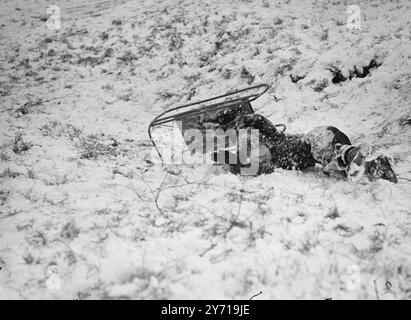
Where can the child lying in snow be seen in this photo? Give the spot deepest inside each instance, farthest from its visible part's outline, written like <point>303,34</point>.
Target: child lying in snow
<point>325,145</point>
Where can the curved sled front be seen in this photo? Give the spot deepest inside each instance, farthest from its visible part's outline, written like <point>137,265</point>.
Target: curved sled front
<point>198,112</point>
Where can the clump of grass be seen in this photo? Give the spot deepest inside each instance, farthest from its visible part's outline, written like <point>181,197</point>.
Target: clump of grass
<point>69,231</point>
<point>93,61</point>
<point>176,41</point>
<point>117,22</point>
<point>57,181</point>
<point>320,85</point>
<point>333,214</point>
<point>378,239</point>
<point>104,36</point>
<point>28,106</point>
<point>343,230</point>
<point>91,148</point>
<point>307,245</point>
<point>346,231</point>
<point>7,173</point>
<point>285,66</point>
<point>324,35</point>
<point>19,145</point>
<point>128,57</point>
<point>296,78</point>
<point>51,53</point>
<point>66,57</point>
<point>245,74</point>
<point>4,156</point>
<point>28,259</point>
<point>3,196</point>
<point>165,95</point>
<point>58,129</point>
<point>108,53</point>
<point>226,74</point>
<point>37,238</point>
<point>107,87</point>
<point>125,97</point>
<point>277,21</point>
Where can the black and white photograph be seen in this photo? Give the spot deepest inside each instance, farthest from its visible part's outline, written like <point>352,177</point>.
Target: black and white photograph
<point>224,150</point>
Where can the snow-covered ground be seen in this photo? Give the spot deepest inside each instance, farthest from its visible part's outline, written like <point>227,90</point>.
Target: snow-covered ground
<point>85,213</point>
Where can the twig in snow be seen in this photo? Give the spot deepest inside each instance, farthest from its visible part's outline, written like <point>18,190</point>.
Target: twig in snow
<point>78,255</point>
<point>23,108</point>
<point>256,295</point>
<point>211,247</point>
<point>11,214</point>
<point>137,194</point>
<point>158,195</point>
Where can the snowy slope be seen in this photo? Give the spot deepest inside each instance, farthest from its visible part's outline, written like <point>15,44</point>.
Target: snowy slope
<point>86,213</point>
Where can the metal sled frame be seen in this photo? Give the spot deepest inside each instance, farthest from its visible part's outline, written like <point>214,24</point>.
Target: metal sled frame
<point>201,107</point>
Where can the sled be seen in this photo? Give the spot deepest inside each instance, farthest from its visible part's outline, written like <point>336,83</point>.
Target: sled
<point>194,115</point>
